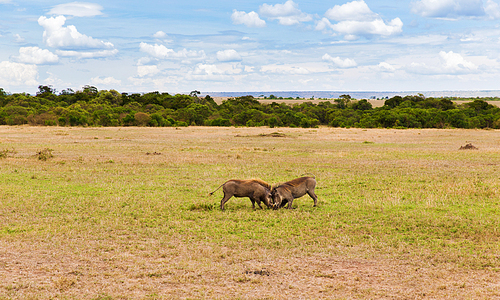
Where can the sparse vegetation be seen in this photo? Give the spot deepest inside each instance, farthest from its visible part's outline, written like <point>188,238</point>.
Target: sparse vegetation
<point>44,154</point>
<point>406,216</point>
<point>6,152</point>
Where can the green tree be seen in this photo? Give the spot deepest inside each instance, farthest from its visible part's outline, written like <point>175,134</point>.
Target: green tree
<point>393,102</point>
<point>343,101</point>
<point>46,91</point>
<point>362,105</point>
<point>194,114</point>
<point>90,90</point>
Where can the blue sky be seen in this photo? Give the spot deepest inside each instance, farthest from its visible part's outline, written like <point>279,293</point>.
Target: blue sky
<point>231,46</point>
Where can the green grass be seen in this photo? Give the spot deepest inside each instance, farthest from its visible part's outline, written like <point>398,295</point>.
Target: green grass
<point>413,198</point>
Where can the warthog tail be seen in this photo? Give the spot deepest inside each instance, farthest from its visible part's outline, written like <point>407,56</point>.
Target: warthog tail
<point>309,174</point>
<point>217,189</point>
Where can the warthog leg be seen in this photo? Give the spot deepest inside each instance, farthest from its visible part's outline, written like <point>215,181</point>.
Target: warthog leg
<point>258,203</point>
<point>283,203</point>
<point>313,195</point>
<point>253,203</point>
<point>224,200</point>
<point>255,200</point>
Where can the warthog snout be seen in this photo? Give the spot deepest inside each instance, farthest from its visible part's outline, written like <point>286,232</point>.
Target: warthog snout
<point>276,199</point>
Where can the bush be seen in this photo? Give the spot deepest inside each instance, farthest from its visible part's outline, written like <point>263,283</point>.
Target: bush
<point>47,119</point>
<point>61,121</point>
<point>129,120</point>
<point>218,122</point>
<point>5,153</point>
<point>157,120</point>
<point>142,119</point>
<point>44,154</point>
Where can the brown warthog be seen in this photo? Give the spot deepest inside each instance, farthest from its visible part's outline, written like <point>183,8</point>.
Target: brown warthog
<point>286,192</point>
<point>255,189</point>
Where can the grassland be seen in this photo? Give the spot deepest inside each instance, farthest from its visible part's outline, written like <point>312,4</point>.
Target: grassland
<point>124,213</point>
<point>373,102</point>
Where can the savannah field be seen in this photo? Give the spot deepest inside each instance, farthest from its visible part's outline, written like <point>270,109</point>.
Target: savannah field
<point>124,213</point>
<point>373,102</point>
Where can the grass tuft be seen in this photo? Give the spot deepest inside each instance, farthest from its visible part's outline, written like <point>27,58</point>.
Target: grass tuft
<point>203,206</point>
<point>6,153</point>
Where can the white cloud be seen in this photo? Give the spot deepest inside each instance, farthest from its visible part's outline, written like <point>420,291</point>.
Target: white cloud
<point>353,29</point>
<point>160,35</point>
<point>287,13</point>
<point>356,19</point>
<point>250,19</point>
<point>492,9</point>
<point>323,24</point>
<point>12,73</point>
<point>386,67</point>
<point>18,38</point>
<point>147,70</point>
<point>342,63</point>
<point>77,9</point>
<point>162,52</point>
<point>105,81</point>
<point>87,54</point>
<point>249,69</point>
<point>449,8</point>
<point>375,27</point>
<point>211,70</point>
<point>353,11</point>
<point>284,69</point>
<point>204,69</point>
<point>57,36</point>
<point>35,55</point>
<point>454,62</point>
<point>228,55</point>
<point>447,63</point>
<point>53,80</point>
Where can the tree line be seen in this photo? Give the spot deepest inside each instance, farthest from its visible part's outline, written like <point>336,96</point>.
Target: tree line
<point>91,107</point>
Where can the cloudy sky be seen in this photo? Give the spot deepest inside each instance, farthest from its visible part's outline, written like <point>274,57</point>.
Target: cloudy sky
<point>231,46</point>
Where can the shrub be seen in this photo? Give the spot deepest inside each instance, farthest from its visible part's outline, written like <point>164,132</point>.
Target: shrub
<point>157,120</point>
<point>47,119</point>
<point>5,153</point>
<point>129,120</point>
<point>44,154</point>
<point>219,122</point>
<point>142,119</point>
<point>61,121</point>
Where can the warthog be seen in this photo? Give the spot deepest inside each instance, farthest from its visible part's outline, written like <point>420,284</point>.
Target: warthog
<point>255,189</point>
<point>286,192</point>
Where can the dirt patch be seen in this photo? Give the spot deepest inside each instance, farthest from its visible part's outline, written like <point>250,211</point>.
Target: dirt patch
<point>272,134</point>
<point>28,272</point>
<point>469,146</point>
<point>154,153</point>
<point>258,272</point>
